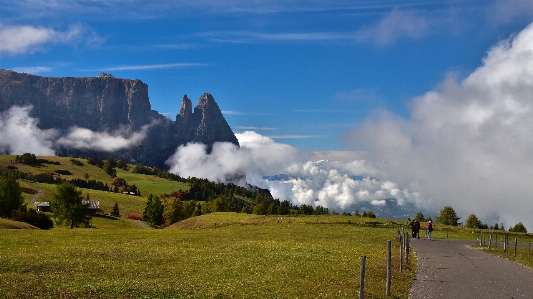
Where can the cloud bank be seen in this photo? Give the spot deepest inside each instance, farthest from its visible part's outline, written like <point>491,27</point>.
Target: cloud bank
<point>338,185</point>
<point>469,143</point>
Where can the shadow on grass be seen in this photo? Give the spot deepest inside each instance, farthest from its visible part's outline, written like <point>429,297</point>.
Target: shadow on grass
<point>105,216</point>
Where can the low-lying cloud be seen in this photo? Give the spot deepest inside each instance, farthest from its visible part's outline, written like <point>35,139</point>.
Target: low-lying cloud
<point>469,143</point>
<point>19,133</point>
<point>82,138</point>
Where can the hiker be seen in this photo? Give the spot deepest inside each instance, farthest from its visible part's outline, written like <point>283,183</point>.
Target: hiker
<point>429,229</point>
<point>416,229</point>
<point>413,230</point>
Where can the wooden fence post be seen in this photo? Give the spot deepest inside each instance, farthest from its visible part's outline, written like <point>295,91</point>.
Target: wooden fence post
<point>407,240</point>
<point>362,279</point>
<point>401,251</point>
<point>389,268</point>
<point>528,250</point>
<point>515,244</point>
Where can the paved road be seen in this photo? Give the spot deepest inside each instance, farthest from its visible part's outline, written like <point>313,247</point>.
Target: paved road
<point>453,269</point>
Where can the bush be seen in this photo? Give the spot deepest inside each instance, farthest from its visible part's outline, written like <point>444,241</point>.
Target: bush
<point>134,216</point>
<point>31,216</point>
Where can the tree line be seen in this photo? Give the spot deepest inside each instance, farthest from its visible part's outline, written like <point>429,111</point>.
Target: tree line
<point>448,216</point>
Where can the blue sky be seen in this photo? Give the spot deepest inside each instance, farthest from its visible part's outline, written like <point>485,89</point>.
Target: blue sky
<point>302,72</point>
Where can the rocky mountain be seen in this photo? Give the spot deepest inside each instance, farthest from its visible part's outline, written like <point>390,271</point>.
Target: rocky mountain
<point>106,104</point>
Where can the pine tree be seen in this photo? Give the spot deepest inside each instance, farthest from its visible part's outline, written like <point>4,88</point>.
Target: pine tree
<point>116,211</point>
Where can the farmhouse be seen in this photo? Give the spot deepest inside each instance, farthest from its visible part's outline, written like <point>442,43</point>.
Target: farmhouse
<point>92,206</point>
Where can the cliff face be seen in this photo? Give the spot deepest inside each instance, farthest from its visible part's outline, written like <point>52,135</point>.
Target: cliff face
<point>105,103</point>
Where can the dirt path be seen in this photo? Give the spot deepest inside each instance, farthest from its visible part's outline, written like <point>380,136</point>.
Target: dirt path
<point>142,224</point>
<point>453,269</point>
<point>36,195</point>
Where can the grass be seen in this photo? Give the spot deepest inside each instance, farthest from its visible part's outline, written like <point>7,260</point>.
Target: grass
<point>150,184</point>
<point>10,224</point>
<point>244,259</point>
<point>94,172</point>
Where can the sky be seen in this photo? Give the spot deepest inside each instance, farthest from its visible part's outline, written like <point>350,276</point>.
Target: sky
<point>429,102</point>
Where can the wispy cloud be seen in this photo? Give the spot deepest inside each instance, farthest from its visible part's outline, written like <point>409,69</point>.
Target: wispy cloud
<point>33,69</point>
<point>395,25</point>
<point>18,39</point>
<point>153,66</point>
<point>231,112</point>
<point>249,37</point>
<point>295,136</point>
<point>255,128</point>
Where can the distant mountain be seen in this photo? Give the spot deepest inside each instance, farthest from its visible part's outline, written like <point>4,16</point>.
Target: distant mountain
<point>105,104</point>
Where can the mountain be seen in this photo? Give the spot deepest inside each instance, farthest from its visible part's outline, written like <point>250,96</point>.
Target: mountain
<point>108,104</point>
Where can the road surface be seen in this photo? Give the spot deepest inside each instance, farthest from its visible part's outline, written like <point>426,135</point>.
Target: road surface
<point>453,269</point>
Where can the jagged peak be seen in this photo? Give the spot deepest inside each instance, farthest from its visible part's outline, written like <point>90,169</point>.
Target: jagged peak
<point>105,75</point>
<point>205,99</point>
<point>186,106</point>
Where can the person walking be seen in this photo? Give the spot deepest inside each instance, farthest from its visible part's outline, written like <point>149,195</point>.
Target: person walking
<point>429,229</point>
<point>413,230</point>
<point>416,229</point>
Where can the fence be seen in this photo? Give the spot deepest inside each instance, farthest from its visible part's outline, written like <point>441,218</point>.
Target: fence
<point>491,241</point>
<point>404,240</point>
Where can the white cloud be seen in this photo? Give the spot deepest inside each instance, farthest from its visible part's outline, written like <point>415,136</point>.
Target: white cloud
<point>19,133</point>
<point>395,25</point>
<point>18,39</point>
<point>153,66</point>
<point>467,144</point>
<point>338,185</point>
<point>82,138</point>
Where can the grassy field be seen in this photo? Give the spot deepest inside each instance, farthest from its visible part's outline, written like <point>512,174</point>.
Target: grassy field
<point>146,183</point>
<point>150,184</point>
<point>247,257</point>
<point>93,172</point>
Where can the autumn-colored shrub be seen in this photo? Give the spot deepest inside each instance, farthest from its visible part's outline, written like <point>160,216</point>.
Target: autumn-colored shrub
<point>134,216</point>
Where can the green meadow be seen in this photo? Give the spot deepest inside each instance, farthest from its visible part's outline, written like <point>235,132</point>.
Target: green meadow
<point>242,256</point>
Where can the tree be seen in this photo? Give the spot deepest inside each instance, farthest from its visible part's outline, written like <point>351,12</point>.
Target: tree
<point>67,205</point>
<point>174,211</point>
<point>116,211</point>
<point>10,195</point>
<point>420,216</point>
<point>448,216</point>
<point>472,221</point>
<point>153,212</point>
<point>259,209</point>
<point>518,228</point>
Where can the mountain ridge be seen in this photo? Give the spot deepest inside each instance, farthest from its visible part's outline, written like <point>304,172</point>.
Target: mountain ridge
<point>105,103</point>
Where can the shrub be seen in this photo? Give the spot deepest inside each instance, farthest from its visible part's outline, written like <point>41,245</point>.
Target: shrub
<point>31,216</point>
<point>134,216</point>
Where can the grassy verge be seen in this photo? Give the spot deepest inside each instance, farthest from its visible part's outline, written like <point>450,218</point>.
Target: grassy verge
<point>301,259</point>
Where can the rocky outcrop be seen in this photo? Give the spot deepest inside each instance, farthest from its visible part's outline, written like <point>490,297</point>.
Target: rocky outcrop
<point>104,104</point>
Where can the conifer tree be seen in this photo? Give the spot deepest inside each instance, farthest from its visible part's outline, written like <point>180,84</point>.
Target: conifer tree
<point>116,211</point>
